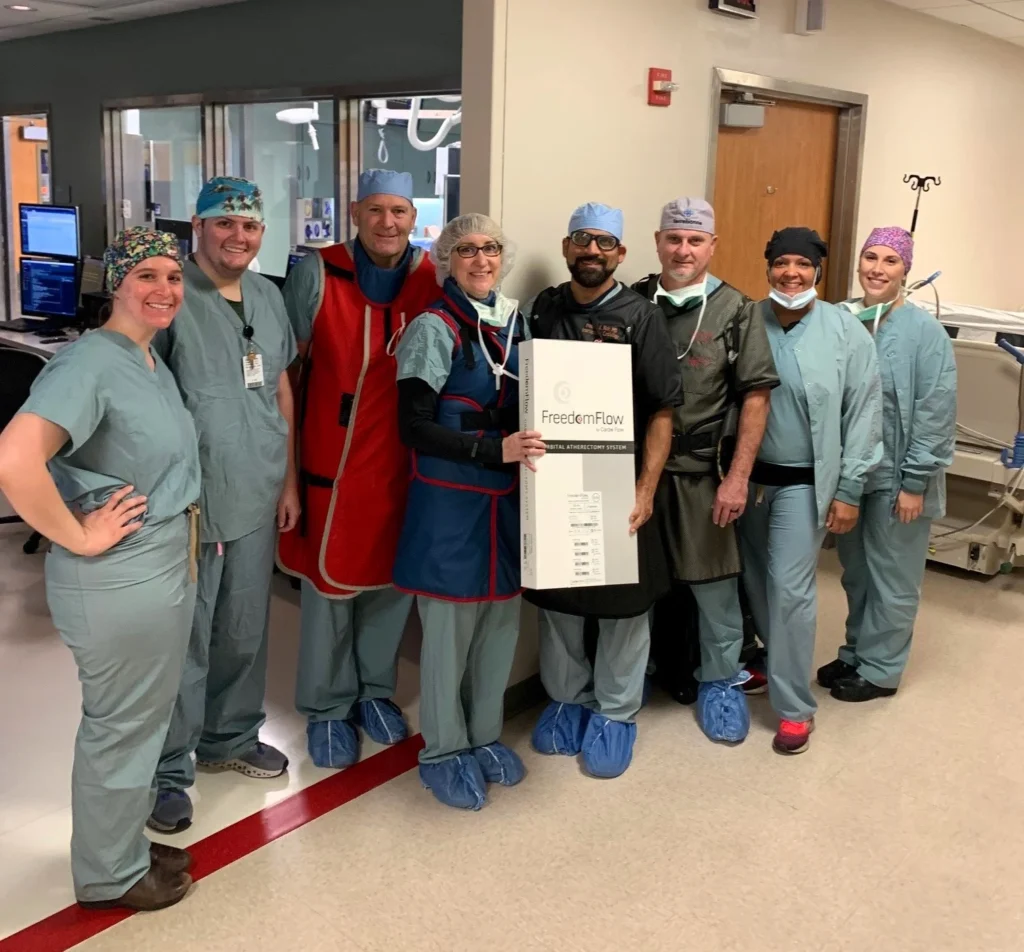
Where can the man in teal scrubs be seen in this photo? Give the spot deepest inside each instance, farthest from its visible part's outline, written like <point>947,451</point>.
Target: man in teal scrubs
<point>229,350</point>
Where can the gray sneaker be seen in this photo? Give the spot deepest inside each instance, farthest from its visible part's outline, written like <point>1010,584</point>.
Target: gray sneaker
<point>262,762</point>
<point>172,812</point>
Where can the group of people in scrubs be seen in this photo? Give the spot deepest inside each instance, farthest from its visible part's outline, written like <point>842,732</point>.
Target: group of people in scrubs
<point>365,425</point>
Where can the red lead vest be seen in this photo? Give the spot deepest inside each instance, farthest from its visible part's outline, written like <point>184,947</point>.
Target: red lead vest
<point>353,468</point>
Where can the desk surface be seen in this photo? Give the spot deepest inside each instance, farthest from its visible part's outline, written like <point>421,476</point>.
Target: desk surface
<point>30,343</point>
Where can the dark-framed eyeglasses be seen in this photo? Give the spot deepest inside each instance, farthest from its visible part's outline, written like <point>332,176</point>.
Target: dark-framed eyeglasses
<point>582,239</point>
<point>491,250</point>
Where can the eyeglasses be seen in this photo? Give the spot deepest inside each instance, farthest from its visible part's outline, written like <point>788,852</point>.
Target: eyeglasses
<point>582,239</point>
<point>491,250</point>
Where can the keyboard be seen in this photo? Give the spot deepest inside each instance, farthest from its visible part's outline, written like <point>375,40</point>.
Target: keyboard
<point>29,325</point>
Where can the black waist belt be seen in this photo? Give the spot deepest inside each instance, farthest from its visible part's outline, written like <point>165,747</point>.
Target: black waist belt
<point>504,418</point>
<point>684,444</point>
<point>772,474</point>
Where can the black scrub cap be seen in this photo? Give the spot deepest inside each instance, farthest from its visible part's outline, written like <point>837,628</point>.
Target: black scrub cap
<point>797,241</point>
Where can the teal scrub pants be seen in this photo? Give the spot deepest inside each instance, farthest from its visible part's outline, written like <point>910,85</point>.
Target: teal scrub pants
<point>348,650</point>
<point>883,568</point>
<point>781,541</point>
<point>219,710</point>
<point>126,616</point>
<point>721,629</point>
<point>465,663</point>
<point>614,686</point>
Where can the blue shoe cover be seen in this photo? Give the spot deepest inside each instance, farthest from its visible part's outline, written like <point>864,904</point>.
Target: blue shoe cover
<point>499,764</point>
<point>722,709</point>
<point>560,729</point>
<point>608,746</point>
<point>456,782</point>
<point>382,720</point>
<point>332,743</point>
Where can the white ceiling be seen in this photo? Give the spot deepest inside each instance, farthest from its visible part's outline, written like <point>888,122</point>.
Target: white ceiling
<point>53,16</point>
<point>1000,18</point>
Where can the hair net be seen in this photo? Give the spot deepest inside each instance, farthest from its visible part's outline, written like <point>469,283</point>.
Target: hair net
<point>457,230</point>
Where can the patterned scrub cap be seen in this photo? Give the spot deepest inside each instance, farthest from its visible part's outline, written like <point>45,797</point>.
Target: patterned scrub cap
<point>237,197</point>
<point>893,237</point>
<point>132,247</point>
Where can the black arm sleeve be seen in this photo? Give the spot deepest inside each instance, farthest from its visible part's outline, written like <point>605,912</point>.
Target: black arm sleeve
<point>417,407</point>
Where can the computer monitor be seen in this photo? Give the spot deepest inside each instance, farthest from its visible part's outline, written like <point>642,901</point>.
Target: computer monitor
<point>49,289</point>
<point>182,230</point>
<point>49,231</point>
<point>293,259</point>
<point>94,276</point>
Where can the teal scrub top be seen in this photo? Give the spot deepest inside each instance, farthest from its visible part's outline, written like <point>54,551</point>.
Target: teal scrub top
<point>839,369</point>
<point>302,291</point>
<point>127,426</point>
<point>918,375</point>
<point>243,439</point>
<point>787,436</point>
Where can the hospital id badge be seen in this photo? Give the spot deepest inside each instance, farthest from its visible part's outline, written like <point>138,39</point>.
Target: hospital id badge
<point>252,371</point>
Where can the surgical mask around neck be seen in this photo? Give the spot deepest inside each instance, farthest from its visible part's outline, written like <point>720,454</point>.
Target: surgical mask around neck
<point>681,295</point>
<point>869,313</point>
<point>795,303</point>
<point>497,314</point>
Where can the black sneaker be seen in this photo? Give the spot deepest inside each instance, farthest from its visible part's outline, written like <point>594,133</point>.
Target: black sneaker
<point>858,689</point>
<point>835,671</point>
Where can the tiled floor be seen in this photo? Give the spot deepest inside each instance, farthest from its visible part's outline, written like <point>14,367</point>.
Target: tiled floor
<point>899,831</point>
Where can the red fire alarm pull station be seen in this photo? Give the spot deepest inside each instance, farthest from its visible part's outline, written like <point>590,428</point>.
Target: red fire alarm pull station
<point>659,87</point>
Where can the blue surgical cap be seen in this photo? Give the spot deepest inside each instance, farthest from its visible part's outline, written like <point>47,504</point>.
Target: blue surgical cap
<point>384,182</point>
<point>237,197</point>
<point>597,216</point>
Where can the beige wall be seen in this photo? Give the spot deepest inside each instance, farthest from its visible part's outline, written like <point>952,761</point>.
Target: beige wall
<point>556,114</point>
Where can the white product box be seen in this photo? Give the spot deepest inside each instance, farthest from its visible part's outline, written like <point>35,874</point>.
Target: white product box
<point>575,509</point>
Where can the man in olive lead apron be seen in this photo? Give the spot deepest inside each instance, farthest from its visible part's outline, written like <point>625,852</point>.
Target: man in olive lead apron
<point>727,367</point>
<point>229,350</point>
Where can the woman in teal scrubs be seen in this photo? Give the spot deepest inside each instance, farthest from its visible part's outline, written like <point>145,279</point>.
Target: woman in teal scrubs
<point>822,439</point>
<point>102,459</point>
<point>884,556</point>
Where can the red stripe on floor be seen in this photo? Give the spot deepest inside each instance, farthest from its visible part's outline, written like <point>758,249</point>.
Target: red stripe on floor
<point>67,928</point>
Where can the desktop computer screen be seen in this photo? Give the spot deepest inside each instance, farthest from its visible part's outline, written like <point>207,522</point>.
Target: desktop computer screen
<point>182,230</point>
<point>49,289</point>
<point>293,259</point>
<point>49,230</point>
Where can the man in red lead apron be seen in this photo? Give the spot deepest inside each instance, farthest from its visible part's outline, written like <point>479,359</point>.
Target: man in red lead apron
<point>348,306</point>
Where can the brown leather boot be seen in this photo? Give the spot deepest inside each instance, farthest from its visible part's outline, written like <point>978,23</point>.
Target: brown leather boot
<point>170,859</point>
<point>156,890</point>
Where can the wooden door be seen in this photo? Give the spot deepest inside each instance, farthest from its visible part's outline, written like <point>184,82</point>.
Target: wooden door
<point>24,183</point>
<point>769,178</point>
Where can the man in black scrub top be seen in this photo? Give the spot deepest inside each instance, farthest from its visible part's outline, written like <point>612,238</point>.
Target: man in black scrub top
<point>593,706</point>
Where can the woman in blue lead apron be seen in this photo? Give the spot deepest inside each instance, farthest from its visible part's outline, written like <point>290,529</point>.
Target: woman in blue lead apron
<point>102,459</point>
<point>884,556</point>
<point>459,550</point>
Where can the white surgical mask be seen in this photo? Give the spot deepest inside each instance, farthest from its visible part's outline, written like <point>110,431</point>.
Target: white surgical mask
<point>680,296</point>
<point>795,303</point>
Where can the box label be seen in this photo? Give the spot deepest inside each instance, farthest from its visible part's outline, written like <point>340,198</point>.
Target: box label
<point>586,532</point>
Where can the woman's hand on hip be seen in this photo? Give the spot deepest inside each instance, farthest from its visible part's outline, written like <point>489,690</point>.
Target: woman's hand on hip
<point>842,517</point>
<point>522,447</point>
<point>909,506</point>
<point>103,528</point>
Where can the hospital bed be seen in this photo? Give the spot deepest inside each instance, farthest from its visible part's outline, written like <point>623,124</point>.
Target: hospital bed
<point>982,529</point>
